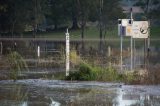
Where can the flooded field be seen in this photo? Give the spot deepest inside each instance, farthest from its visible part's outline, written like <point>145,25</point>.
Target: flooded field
<point>64,93</point>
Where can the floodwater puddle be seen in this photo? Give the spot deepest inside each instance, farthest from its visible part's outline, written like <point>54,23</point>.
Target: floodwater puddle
<point>65,93</point>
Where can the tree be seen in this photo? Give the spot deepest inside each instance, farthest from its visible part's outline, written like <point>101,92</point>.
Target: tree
<point>150,7</point>
<point>58,12</point>
<point>84,10</point>
<point>73,12</point>
<point>154,11</point>
<point>19,13</point>
<point>16,63</point>
<point>36,13</point>
<point>108,11</point>
<point>111,11</point>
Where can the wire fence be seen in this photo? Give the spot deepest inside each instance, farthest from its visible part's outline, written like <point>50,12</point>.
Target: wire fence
<point>102,54</point>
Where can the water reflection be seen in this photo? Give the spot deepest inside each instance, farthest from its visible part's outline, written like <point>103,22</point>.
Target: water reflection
<point>54,103</point>
<point>134,99</point>
<point>61,93</point>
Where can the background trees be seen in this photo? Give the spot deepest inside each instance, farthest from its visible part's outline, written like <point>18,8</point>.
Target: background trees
<point>151,8</point>
<point>16,16</point>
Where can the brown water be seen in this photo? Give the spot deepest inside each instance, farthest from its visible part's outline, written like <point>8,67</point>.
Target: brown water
<point>62,93</point>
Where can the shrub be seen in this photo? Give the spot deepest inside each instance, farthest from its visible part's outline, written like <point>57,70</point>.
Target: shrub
<point>87,73</point>
<point>108,74</point>
<point>16,63</point>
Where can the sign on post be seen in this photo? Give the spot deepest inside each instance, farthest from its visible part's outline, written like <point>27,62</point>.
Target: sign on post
<point>140,29</point>
<point>125,27</point>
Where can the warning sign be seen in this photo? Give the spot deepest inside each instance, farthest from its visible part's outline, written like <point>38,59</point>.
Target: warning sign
<point>129,30</point>
<point>140,29</point>
<point>125,27</point>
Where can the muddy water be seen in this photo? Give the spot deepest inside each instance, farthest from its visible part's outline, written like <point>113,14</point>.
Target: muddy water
<point>62,93</point>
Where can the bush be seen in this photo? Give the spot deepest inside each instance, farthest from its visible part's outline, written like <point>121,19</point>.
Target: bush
<point>131,77</point>
<point>85,73</point>
<point>88,73</point>
<point>16,63</point>
<point>108,74</point>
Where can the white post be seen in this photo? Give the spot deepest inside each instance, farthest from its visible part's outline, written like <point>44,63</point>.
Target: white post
<point>109,55</point>
<point>67,53</point>
<point>38,51</point>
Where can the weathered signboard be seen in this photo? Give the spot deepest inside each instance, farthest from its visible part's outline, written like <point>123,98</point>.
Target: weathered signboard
<point>140,29</point>
<point>136,29</point>
<point>125,27</point>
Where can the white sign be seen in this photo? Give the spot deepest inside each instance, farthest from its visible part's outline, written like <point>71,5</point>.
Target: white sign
<point>128,30</point>
<point>140,29</point>
<point>125,27</point>
<point>67,53</point>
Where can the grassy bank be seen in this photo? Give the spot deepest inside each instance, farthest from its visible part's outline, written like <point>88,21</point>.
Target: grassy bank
<point>90,33</point>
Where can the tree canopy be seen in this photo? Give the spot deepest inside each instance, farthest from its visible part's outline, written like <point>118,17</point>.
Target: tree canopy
<point>16,15</point>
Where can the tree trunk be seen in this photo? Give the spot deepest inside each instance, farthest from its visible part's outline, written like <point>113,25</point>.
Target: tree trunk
<point>55,26</point>
<point>82,33</point>
<point>12,30</point>
<point>74,22</point>
<point>147,7</point>
<point>34,30</point>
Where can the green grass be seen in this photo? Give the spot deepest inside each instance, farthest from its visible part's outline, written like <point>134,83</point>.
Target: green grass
<point>90,33</point>
<point>155,32</point>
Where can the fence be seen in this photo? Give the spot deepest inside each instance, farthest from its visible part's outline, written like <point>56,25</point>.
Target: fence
<point>52,53</point>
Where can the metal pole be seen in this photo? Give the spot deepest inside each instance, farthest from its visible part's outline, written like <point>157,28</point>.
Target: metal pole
<point>145,53</point>
<point>148,47</point>
<point>148,44</point>
<point>131,53</point>
<point>121,52</point>
<point>134,53</point>
<point>131,44</point>
<point>67,53</point>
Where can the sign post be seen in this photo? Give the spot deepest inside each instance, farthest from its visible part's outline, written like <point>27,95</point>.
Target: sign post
<point>124,29</point>
<point>121,33</point>
<point>131,53</point>
<point>140,29</point>
<point>67,53</point>
<point>131,41</point>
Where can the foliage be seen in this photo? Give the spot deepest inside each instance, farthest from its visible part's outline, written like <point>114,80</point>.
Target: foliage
<point>150,7</point>
<point>19,13</point>
<point>16,15</point>
<point>131,77</point>
<point>17,63</point>
<point>74,58</point>
<point>86,73</point>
